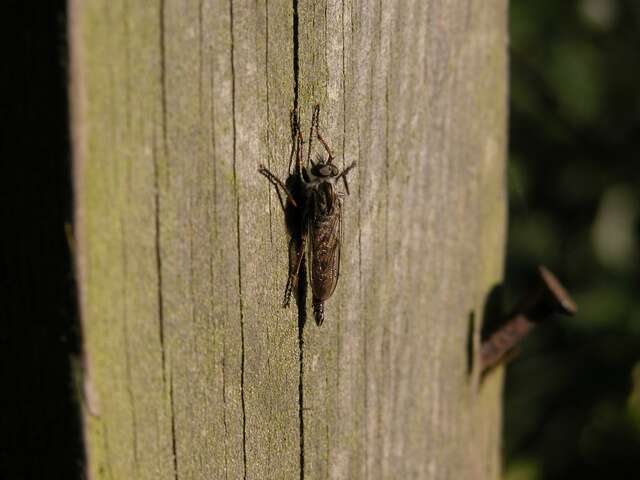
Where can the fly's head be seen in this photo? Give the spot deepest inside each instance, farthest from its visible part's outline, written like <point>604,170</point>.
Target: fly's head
<point>323,170</point>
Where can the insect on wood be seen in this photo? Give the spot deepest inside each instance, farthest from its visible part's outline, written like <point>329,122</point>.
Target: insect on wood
<point>312,193</point>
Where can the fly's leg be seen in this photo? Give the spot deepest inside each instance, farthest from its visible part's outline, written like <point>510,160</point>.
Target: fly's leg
<point>297,146</point>
<point>315,121</point>
<point>295,128</point>
<point>343,175</point>
<point>299,157</point>
<point>293,259</point>
<point>296,256</point>
<point>277,183</point>
<point>326,147</point>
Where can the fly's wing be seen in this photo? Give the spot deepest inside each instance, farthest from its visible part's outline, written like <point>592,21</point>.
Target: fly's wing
<point>324,252</point>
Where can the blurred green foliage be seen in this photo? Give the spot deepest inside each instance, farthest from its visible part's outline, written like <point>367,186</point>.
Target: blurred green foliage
<point>573,395</point>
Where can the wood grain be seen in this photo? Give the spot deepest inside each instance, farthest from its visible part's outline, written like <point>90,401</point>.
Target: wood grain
<point>192,369</point>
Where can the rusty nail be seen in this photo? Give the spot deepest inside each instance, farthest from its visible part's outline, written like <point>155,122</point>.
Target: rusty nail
<point>546,299</point>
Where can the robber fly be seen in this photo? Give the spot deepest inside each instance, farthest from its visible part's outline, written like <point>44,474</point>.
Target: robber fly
<point>319,204</point>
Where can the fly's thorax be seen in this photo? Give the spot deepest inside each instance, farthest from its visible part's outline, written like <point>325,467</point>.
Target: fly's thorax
<point>324,198</point>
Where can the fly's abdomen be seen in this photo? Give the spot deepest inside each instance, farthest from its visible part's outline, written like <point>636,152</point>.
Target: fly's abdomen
<point>325,253</point>
<point>324,277</point>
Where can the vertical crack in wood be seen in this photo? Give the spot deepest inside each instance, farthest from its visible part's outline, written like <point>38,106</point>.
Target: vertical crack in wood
<point>224,411</point>
<point>386,356</point>
<point>326,63</point>
<point>158,253</point>
<point>173,429</point>
<point>339,333</point>
<point>296,57</point>
<point>163,66</point>
<point>301,290</point>
<point>301,400</point>
<point>156,197</point>
<point>266,78</point>
<point>192,280</point>
<point>200,57</point>
<point>344,94</point>
<point>237,194</point>
<point>212,114</point>
<point>386,167</point>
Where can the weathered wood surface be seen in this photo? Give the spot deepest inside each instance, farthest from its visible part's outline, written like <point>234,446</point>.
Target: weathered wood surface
<point>192,368</point>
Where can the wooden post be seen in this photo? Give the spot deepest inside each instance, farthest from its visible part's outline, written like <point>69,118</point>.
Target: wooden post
<point>192,369</point>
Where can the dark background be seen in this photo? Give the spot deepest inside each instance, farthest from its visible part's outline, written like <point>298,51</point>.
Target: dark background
<point>570,408</point>
<point>40,437</point>
<point>571,411</point>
